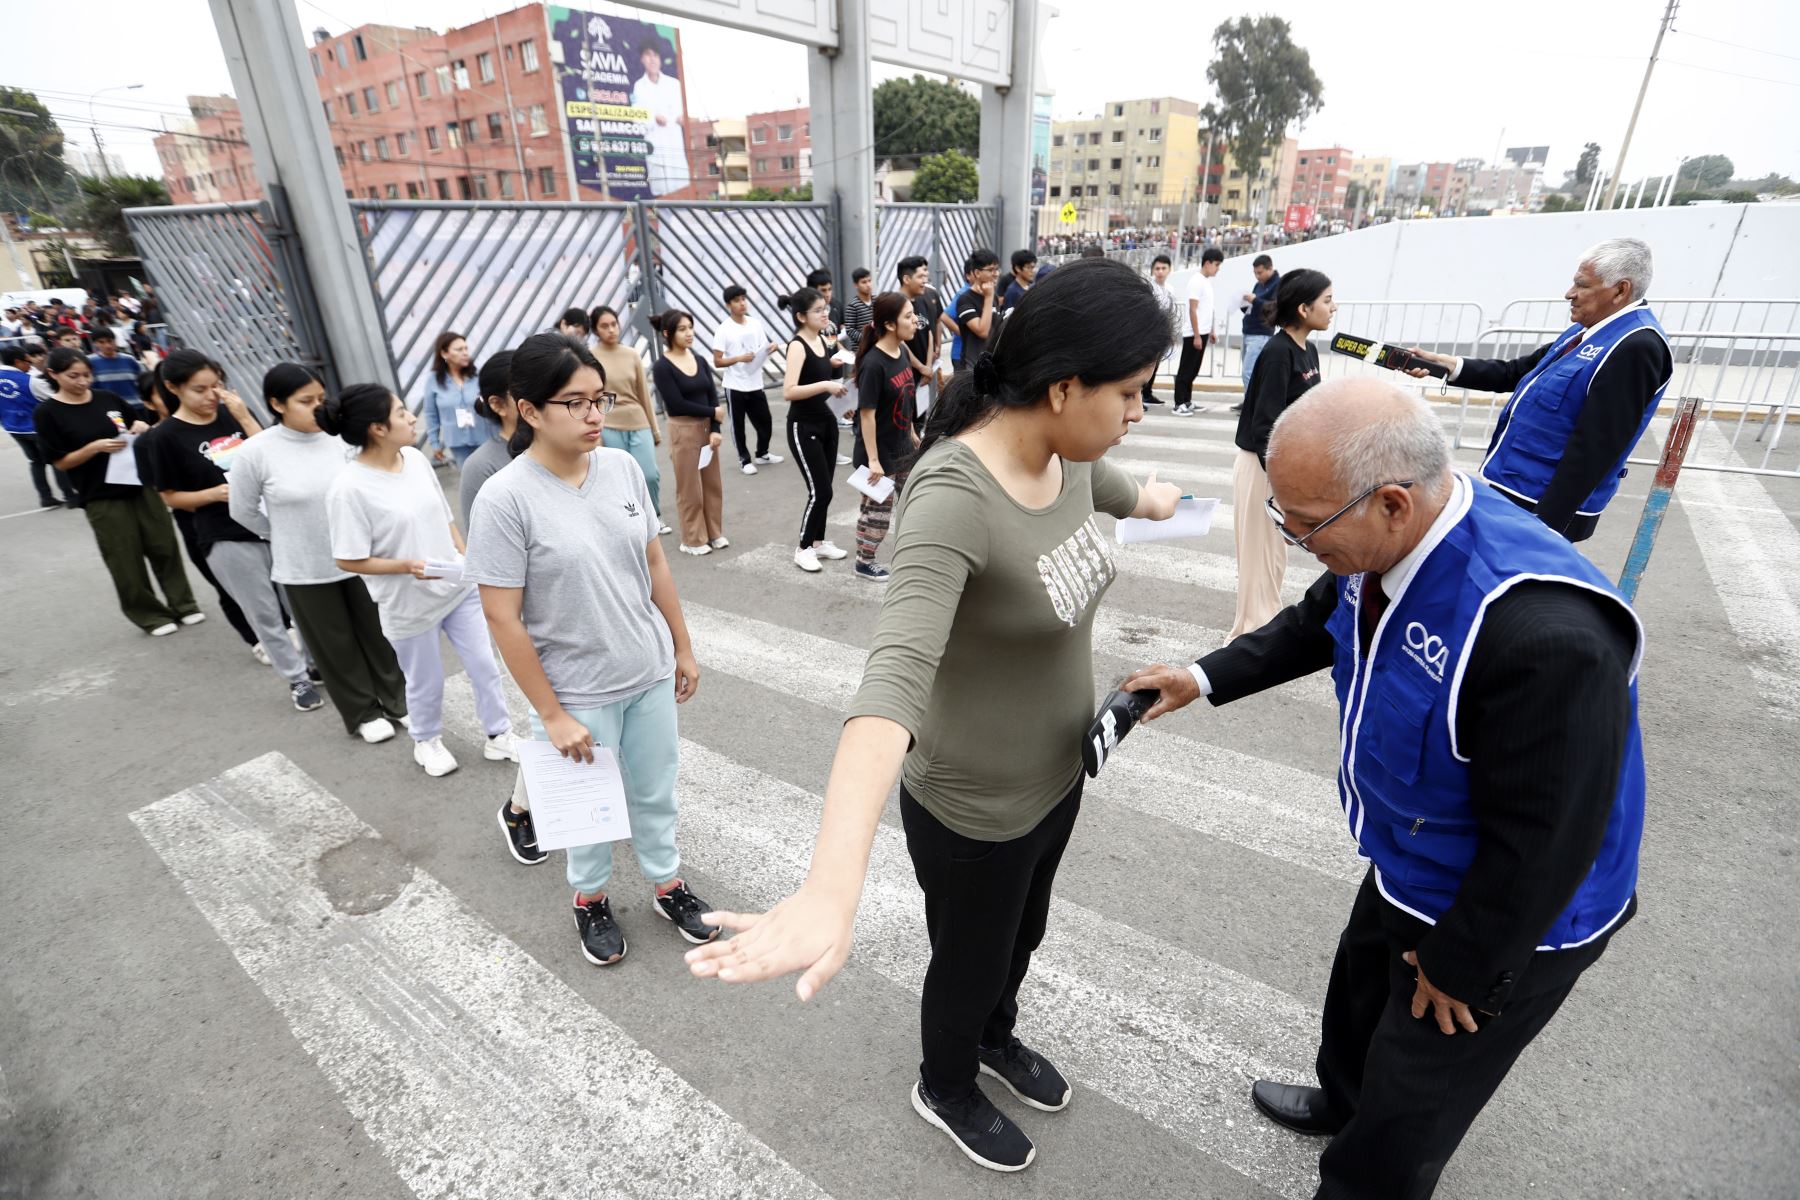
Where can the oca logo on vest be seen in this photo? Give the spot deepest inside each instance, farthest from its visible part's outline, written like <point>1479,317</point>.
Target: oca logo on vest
<point>1427,649</point>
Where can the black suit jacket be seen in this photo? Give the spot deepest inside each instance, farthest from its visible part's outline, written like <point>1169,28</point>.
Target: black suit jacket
<point>1543,715</point>
<point>1621,389</point>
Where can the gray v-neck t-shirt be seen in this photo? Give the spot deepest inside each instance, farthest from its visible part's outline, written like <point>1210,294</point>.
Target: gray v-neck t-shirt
<point>578,553</point>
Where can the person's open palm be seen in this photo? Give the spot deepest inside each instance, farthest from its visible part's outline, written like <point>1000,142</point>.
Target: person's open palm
<point>806,932</point>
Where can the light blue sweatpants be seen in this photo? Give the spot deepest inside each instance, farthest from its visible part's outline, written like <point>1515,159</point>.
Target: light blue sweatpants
<point>641,445</point>
<point>641,732</point>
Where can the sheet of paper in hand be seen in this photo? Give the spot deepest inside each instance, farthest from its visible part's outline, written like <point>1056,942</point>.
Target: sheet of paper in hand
<point>574,803</point>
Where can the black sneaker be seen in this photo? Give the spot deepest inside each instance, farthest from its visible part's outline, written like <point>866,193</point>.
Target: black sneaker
<point>521,836</point>
<point>873,571</point>
<point>602,941</point>
<point>1027,1075</point>
<point>684,908</point>
<point>305,698</point>
<point>313,677</point>
<point>978,1129</point>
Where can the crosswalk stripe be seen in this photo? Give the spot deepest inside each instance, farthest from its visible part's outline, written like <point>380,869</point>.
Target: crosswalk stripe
<point>1182,563</point>
<point>440,1034</point>
<point>1163,1032</point>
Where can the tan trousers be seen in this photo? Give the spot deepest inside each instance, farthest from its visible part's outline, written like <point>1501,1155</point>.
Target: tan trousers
<point>699,496</point>
<point>1261,554</point>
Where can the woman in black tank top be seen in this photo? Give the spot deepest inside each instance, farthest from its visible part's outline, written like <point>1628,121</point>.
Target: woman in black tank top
<point>811,428</point>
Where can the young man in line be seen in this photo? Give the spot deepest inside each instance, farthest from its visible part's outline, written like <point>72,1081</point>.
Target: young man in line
<point>1024,274</point>
<point>861,309</point>
<point>1257,331</point>
<point>1197,321</point>
<point>740,337</point>
<point>114,371</point>
<point>974,307</point>
<point>1160,267</point>
<point>914,277</point>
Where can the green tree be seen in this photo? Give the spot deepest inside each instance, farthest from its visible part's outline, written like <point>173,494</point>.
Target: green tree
<point>1556,202</point>
<point>1587,164</point>
<point>1265,83</point>
<point>925,116</point>
<point>784,196</point>
<point>1708,171</point>
<point>100,210</point>
<point>33,175</point>
<point>948,178</point>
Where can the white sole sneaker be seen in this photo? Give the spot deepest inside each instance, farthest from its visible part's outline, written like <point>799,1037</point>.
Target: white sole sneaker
<point>193,618</point>
<point>1022,1098</point>
<point>164,630</point>
<point>696,551</point>
<point>375,732</point>
<point>931,1118</point>
<point>506,753</point>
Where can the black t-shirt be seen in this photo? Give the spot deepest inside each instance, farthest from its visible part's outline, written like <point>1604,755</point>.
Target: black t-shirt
<point>176,456</point>
<point>1284,372</point>
<point>65,428</point>
<point>814,368</point>
<point>968,307</point>
<point>928,306</point>
<point>886,385</point>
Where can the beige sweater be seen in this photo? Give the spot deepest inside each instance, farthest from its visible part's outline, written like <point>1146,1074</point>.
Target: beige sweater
<point>625,376</point>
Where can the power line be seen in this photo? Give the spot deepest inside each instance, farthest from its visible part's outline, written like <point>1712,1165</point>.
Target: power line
<point>1675,62</point>
<point>1740,46</point>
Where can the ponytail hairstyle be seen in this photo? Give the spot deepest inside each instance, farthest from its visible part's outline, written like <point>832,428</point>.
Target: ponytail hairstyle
<point>283,380</point>
<point>1051,335</point>
<point>666,323</point>
<point>799,303</point>
<point>61,359</point>
<point>351,412</point>
<point>888,307</point>
<point>1298,287</point>
<point>175,371</point>
<point>541,367</point>
<point>495,380</point>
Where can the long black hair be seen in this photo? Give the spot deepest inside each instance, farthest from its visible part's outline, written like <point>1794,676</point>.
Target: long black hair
<point>495,380</point>
<point>668,321</point>
<point>1298,287</point>
<point>175,370</point>
<point>800,303</point>
<point>351,412</point>
<point>541,367</point>
<point>886,311</point>
<point>1095,320</point>
<point>60,360</point>
<point>281,381</point>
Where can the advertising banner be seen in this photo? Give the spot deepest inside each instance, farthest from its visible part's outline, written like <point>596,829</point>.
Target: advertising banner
<point>1299,218</point>
<point>624,106</point>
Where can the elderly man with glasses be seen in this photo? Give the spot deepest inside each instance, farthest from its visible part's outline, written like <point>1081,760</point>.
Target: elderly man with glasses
<point>1490,769</point>
<point>1580,403</point>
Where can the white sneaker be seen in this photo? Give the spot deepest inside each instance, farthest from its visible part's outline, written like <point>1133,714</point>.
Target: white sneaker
<point>502,747</point>
<point>720,542</point>
<point>696,551</point>
<point>665,531</point>
<point>749,468</point>
<point>827,550</point>
<point>164,630</point>
<point>193,618</point>
<point>260,655</point>
<point>432,755</point>
<point>767,459</point>
<point>808,561</point>
<point>378,730</point>
<point>843,460</point>
<point>405,723</point>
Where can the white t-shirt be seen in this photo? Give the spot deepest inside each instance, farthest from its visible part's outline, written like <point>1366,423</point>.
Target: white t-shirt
<point>1199,288</point>
<point>386,514</point>
<point>732,339</point>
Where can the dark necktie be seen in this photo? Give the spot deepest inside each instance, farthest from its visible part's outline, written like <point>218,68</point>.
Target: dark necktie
<point>1567,346</point>
<point>1374,603</point>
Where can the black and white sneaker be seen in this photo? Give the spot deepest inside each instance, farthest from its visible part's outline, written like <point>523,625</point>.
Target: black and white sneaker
<point>684,909</point>
<point>1027,1075</point>
<point>602,941</point>
<point>521,836</point>
<point>305,698</point>
<point>978,1129</point>
<point>873,572</point>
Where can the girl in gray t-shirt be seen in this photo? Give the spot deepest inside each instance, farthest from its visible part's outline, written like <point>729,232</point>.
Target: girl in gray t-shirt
<point>578,595</point>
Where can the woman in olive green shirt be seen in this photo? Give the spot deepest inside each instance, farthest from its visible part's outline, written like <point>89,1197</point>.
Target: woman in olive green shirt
<point>980,683</point>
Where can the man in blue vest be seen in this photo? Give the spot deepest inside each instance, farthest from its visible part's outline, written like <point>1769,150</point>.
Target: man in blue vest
<point>1579,404</point>
<point>1490,770</point>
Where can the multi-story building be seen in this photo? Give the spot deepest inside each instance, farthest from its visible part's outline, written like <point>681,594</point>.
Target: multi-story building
<point>780,147</point>
<point>1244,196</point>
<point>719,159</point>
<point>1370,178</point>
<point>205,159</point>
<point>1322,180</point>
<point>1423,185</point>
<point>1135,152</point>
<point>1517,183</point>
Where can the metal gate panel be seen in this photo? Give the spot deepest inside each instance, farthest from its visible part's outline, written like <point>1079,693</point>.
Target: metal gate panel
<point>494,272</point>
<point>963,228</point>
<point>695,250</point>
<point>223,286</point>
<point>901,231</point>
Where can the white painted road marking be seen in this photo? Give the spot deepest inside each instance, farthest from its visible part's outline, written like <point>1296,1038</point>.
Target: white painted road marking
<point>442,1036</point>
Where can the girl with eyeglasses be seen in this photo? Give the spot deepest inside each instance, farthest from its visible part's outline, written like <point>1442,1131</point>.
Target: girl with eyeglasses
<point>812,428</point>
<point>580,599</point>
<point>689,396</point>
<point>390,523</point>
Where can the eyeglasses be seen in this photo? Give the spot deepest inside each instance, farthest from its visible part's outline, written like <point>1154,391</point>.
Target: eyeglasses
<point>1300,540</point>
<point>581,406</point>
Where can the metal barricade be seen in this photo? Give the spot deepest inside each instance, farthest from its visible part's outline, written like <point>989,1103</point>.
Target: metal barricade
<point>494,272</point>
<point>943,234</point>
<point>691,251</point>
<point>1747,384</point>
<point>229,280</point>
<point>1704,313</point>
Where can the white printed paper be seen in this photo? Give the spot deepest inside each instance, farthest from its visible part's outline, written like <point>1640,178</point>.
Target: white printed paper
<point>451,570</point>
<point>574,803</point>
<point>706,455</point>
<point>1192,519</point>
<point>844,405</point>
<point>922,399</point>
<point>880,492</point>
<point>121,468</point>
<point>465,418</point>
<point>844,356</point>
<point>762,356</point>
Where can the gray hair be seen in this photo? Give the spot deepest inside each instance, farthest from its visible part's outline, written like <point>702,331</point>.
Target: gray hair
<point>1405,441</point>
<point>1621,258</point>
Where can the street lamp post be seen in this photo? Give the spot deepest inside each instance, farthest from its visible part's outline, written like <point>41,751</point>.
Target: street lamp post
<point>94,124</point>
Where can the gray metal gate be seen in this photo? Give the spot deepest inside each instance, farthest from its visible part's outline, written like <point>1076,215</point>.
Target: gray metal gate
<point>494,272</point>
<point>693,250</point>
<point>943,233</point>
<point>230,282</point>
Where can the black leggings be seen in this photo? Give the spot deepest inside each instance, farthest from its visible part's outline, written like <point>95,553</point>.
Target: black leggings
<point>1191,358</point>
<point>986,906</point>
<point>814,441</point>
<point>754,405</point>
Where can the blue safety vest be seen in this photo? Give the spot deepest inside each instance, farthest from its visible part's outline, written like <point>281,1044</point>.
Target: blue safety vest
<point>1538,420</point>
<point>1402,779</point>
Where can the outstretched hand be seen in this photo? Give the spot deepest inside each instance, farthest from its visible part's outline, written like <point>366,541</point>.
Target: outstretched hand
<point>807,932</point>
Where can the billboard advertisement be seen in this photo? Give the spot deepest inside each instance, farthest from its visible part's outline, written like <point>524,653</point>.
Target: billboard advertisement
<point>624,105</point>
<point>1040,147</point>
<point>1298,218</point>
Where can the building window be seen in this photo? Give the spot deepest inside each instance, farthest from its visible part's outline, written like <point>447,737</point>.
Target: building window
<point>540,124</point>
<point>1112,189</point>
<point>463,188</point>
<point>1056,140</point>
<point>496,127</point>
<point>381,148</point>
<point>443,189</point>
<point>362,151</point>
<point>317,69</point>
<point>422,84</point>
<point>546,177</point>
<point>1118,164</point>
<point>400,144</point>
<point>369,100</point>
<point>1118,135</point>
<point>1156,160</point>
<point>1093,164</point>
<point>343,56</point>
<point>1118,110</point>
<point>453,134</point>
<point>712,168</point>
<point>1093,189</point>
<point>362,51</point>
<point>1081,139</point>
<point>431,138</point>
<point>469,130</point>
<point>1155,107</point>
<point>350,103</point>
<point>785,132</point>
<point>1055,192</point>
<point>762,164</point>
<point>459,70</point>
<point>328,117</point>
<point>393,191</point>
<point>1156,134</point>
<point>787,162</point>
<point>393,93</point>
<point>1302,161</point>
<point>340,154</point>
<point>528,54</point>
<point>481,185</point>
<point>373,194</point>
<point>484,66</point>
<point>760,134</point>
<point>412,189</point>
<point>443,77</point>
<point>506,185</point>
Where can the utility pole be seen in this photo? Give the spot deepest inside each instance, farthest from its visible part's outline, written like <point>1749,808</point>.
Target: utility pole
<point>1668,19</point>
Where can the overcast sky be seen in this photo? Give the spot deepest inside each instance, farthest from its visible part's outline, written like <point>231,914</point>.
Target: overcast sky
<point>1450,84</point>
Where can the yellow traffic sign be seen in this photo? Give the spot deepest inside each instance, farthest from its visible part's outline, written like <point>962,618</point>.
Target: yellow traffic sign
<point>1069,214</point>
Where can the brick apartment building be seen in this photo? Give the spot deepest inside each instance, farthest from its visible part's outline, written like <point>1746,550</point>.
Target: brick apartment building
<point>780,146</point>
<point>1322,179</point>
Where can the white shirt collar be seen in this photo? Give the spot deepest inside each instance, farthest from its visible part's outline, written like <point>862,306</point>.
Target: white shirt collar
<point>1393,580</point>
<point>1597,326</point>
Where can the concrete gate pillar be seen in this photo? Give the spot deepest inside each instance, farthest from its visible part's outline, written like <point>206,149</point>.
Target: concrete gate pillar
<point>843,139</point>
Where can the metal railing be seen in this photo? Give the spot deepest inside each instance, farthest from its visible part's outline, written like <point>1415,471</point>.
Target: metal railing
<point>943,234</point>
<point>1707,313</point>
